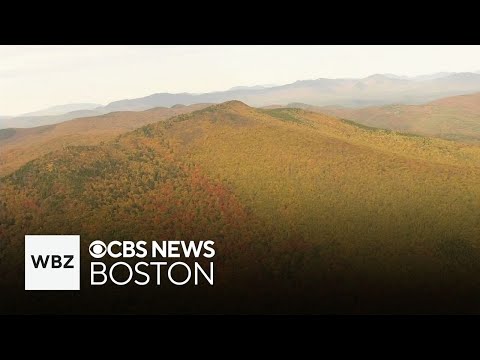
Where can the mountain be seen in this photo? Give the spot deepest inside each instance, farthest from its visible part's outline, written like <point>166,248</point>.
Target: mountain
<point>420,77</point>
<point>255,87</point>
<point>393,76</point>
<point>309,214</point>
<point>52,115</point>
<point>151,101</point>
<point>18,146</point>
<point>432,76</point>
<point>62,109</point>
<point>4,119</point>
<point>454,118</point>
<point>32,121</point>
<point>375,90</point>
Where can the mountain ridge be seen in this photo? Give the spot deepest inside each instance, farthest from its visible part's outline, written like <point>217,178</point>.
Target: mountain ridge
<point>267,96</point>
<point>374,90</point>
<point>61,109</point>
<point>18,145</point>
<point>453,118</point>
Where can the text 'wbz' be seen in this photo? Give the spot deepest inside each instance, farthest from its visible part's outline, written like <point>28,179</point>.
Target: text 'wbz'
<point>142,272</point>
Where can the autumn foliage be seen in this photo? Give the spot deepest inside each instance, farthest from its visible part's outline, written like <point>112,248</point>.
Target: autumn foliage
<point>309,212</point>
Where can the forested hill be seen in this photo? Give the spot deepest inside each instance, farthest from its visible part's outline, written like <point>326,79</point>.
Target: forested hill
<point>326,215</point>
<point>18,146</point>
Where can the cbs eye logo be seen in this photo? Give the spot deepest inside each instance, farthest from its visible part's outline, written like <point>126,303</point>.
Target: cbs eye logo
<point>97,249</point>
<point>116,249</point>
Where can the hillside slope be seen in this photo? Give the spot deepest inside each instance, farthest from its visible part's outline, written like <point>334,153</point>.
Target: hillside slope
<point>18,146</point>
<point>309,213</point>
<point>454,118</point>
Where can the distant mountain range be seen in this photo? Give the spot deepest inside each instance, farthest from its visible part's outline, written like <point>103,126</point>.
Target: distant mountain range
<point>33,121</point>
<point>420,77</point>
<point>52,115</point>
<point>375,90</point>
<point>255,87</point>
<point>62,109</point>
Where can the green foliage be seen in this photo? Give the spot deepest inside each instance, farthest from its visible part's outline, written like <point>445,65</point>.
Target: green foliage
<point>283,114</point>
<point>6,133</point>
<point>361,126</point>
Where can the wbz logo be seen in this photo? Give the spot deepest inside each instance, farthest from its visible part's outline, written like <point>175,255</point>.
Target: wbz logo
<point>52,262</point>
<point>56,261</point>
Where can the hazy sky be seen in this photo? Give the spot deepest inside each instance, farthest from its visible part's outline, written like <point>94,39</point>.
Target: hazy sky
<point>36,77</point>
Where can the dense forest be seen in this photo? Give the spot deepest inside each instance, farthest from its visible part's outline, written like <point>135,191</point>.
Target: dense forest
<point>309,213</point>
<point>18,145</point>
